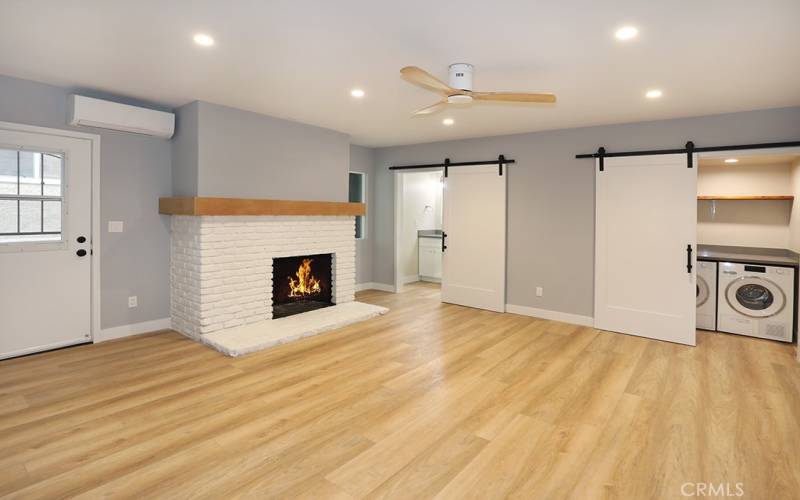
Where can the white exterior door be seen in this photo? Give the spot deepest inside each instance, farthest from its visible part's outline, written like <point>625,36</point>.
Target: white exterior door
<point>646,218</point>
<point>45,241</point>
<point>474,222</point>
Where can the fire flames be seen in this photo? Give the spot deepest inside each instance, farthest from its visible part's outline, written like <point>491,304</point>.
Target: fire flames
<point>305,284</point>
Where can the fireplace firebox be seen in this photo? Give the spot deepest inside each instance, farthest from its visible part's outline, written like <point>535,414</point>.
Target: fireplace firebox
<point>301,284</point>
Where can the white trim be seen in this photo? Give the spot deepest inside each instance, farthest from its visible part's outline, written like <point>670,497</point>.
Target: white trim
<point>574,319</point>
<point>383,287</point>
<point>410,279</point>
<point>749,152</point>
<point>95,254</point>
<point>118,332</point>
<point>430,279</point>
<point>43,348</point>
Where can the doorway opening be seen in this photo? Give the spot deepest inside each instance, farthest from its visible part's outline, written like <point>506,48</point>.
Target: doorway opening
<point>418,228</point>
<point>748,238</point>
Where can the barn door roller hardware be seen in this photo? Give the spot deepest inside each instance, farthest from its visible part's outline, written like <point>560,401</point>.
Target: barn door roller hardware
<point>689,149</point>
<point>500,161</point>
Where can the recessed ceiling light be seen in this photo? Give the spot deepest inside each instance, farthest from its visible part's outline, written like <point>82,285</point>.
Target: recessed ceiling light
<point>448,121</point>
<point>203,40</point>
<point>357,93</point>
<point>732,160</point>
<point>626,33</point>
<point>653,94</point>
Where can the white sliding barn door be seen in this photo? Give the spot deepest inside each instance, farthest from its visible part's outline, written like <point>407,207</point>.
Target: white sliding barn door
<point>646,217</point>
<point>474,220</point>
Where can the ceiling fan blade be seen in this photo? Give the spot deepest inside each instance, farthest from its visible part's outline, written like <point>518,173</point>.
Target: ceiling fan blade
<point>433,108</point>
<point>512,97</point>
<point>425,80</point>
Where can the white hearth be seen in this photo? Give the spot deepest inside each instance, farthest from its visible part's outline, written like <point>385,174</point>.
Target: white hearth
<point>221,267</point>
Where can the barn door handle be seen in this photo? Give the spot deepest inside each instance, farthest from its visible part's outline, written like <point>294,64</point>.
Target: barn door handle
<point>444,235</point>
<point>689,259</point>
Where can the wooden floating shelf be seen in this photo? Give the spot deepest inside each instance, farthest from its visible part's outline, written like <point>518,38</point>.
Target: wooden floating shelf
<point>242,206</point>
<point>745,197</point>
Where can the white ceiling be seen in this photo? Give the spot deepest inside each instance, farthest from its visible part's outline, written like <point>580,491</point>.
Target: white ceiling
<point>299,59</point>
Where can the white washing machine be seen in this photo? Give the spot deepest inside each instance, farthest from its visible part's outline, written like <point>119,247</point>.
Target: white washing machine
<point>706,295</point>
<point>756,300</point>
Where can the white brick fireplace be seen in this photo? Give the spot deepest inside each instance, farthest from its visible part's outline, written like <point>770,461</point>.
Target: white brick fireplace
<point>221,267</point>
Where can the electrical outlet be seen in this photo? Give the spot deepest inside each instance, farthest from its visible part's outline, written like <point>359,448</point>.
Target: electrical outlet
<point>115,226</point>
<point>539,291</point>
<point>133,301</point>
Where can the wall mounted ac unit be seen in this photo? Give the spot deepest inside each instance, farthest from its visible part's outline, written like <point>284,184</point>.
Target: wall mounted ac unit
<point>90,112</point>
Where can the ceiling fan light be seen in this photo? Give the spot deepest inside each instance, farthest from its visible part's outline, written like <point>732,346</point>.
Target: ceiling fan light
<point>459,99</point>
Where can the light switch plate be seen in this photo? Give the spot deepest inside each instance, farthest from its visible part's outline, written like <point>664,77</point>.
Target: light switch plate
<point>539,291</point>
<point>133,301</point>
<point>115,226</point>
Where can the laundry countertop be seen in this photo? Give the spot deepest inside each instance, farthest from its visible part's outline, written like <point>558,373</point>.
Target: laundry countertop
<point>429,233</point>
<point>748,255</point>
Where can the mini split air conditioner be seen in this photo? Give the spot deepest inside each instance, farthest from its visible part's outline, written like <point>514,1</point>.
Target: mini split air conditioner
<point>90,112</point>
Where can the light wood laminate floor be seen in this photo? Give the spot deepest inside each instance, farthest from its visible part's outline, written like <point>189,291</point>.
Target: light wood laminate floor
<point>430,400</point>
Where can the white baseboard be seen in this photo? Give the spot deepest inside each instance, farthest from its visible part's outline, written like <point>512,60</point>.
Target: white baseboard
<point>575,319</point>
<point>430,280</point>
<point>410,279</point>
<point>375,286</point>
<point>118,332</point>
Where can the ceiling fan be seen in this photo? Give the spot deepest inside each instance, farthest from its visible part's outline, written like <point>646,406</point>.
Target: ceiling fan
<point>460,89</point>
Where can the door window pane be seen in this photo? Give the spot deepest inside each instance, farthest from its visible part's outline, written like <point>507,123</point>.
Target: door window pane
<point>52,216</point>
<point>8,171</point>
<point>30,216</point>
<point>8,216</point>
<point>30,173</point>
<point>51,165</point>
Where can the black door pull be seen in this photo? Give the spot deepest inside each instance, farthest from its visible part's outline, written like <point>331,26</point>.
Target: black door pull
<point>81,239</point>
<point>81,253</point>
<point>689,259</point>
<point>444,235</point>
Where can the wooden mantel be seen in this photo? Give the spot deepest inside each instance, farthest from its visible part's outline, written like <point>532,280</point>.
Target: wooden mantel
<point>242,206</point>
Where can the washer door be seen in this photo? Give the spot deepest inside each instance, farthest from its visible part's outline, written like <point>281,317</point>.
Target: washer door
<point>755,297</point>
<point>702,291</point>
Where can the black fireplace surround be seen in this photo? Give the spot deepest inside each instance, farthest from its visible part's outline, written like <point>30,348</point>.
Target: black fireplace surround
<point>301,284</point>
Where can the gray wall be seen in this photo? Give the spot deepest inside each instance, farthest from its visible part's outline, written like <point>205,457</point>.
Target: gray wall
<point>185,150</point>
<point>363,160</point>
<point>551,194</point>
<point>135,172</point>
<point>242,154</point>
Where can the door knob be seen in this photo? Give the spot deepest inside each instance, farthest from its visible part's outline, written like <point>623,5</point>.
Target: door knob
<point>81,239</point>
<point>81,252</point>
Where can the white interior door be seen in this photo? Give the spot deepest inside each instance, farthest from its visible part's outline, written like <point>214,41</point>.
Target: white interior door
<point>474,220</point>
<point>45,247</point>
<point>646,217</point>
